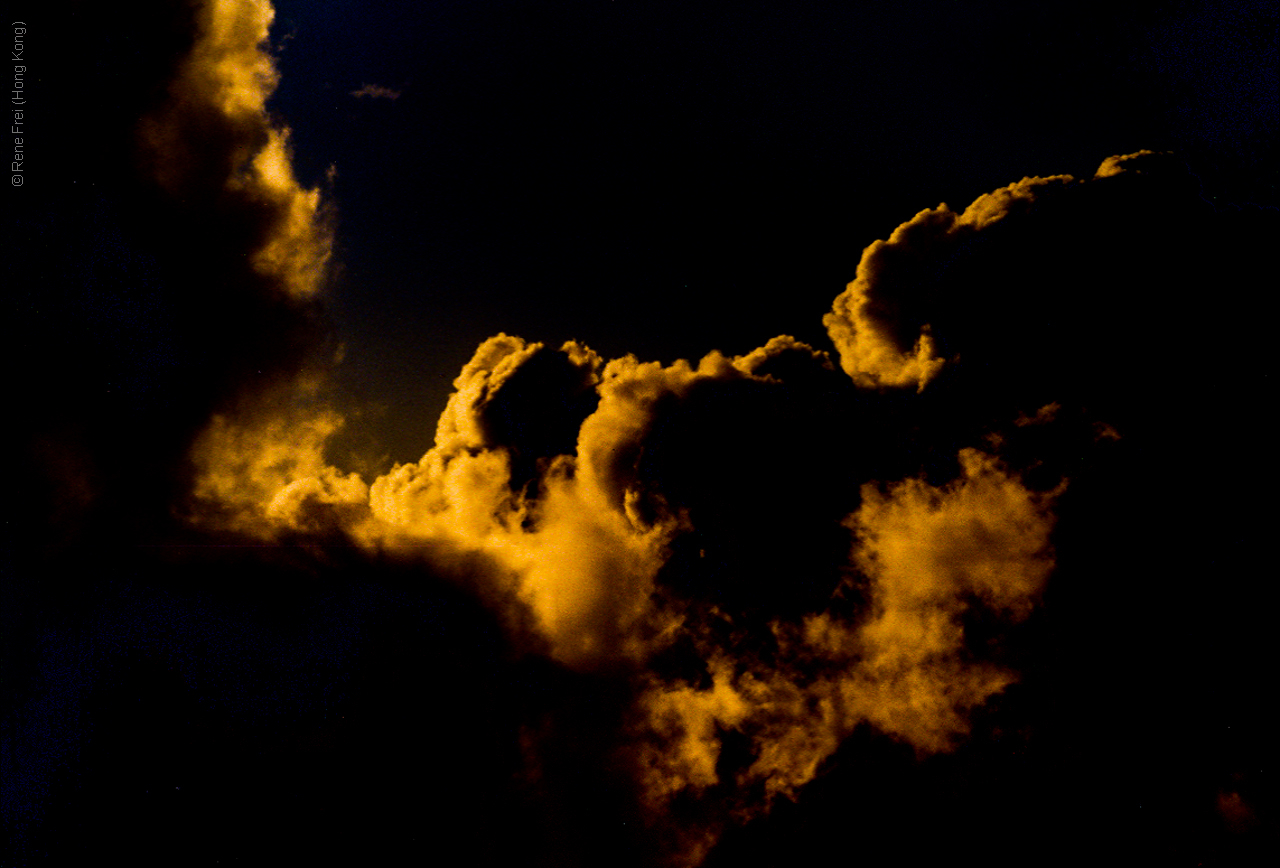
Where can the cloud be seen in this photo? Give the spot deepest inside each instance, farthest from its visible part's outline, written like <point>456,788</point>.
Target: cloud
<point>879,324</point>
<point>999,300</point>
<point>214,139</point>
<point>761,556</point>
<point>180,269</point>
<point>674,596</point>
<point>261,473</point>
<point>900,663</point>
<point>376,91</point>
<point>790,649</point>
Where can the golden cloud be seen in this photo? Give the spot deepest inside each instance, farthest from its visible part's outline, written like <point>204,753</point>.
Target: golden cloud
<point>568,535</point>
<point>214,142</point>
<point>901,665</point>
<point>877,324</point>
<point>572,562</point>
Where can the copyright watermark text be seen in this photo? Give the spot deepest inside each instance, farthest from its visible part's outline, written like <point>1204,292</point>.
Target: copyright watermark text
<point>19,101</point>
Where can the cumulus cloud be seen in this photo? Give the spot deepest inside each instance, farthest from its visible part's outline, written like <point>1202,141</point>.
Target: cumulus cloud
<point>214,139</point>
<point>900,663</point>
<point>264,472</point>
<point>568,550</point>
<point>713,577</point>
<point>181,271</point>
<point>578,560</point>
<point>879,324</point>
<point>1000,295</point>
<point>762,555</point>
<point>563,504</point>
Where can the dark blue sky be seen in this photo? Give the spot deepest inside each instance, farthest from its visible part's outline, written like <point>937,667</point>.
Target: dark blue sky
<point>667,179</point>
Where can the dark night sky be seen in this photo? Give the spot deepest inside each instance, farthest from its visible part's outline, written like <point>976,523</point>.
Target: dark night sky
<point>663,180</point>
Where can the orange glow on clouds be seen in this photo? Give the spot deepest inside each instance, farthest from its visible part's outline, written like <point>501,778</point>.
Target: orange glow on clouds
<point>572,558</point>
<point>865,321</point>
<point>573,564</point>
<point>224,83</point>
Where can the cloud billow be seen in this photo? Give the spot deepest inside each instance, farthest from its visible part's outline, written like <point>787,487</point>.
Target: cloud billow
<point>768,556</point>
<point>680,595</point>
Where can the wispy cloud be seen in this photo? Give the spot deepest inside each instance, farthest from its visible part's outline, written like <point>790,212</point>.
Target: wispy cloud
<point>376,91</point>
